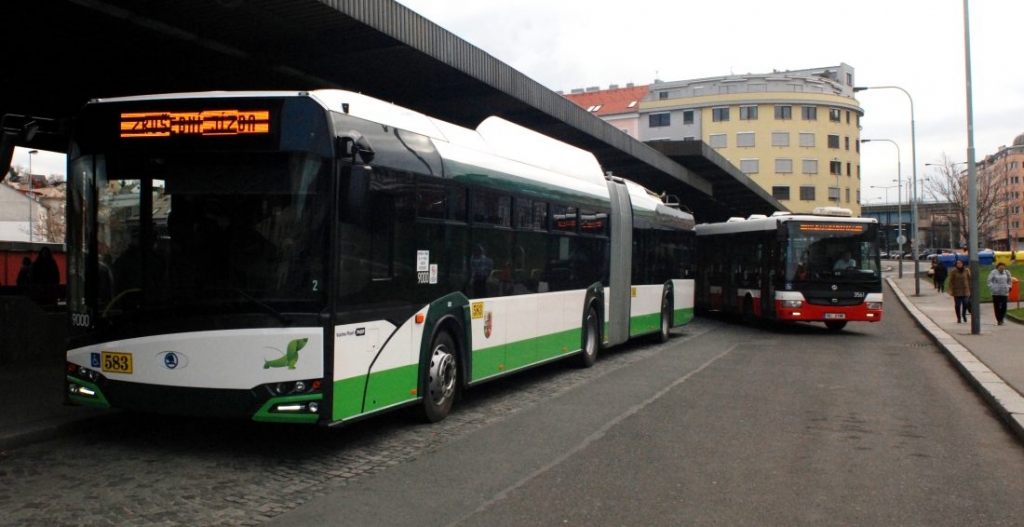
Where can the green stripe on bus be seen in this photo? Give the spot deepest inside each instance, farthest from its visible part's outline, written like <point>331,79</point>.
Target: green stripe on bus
<point>682,316</point>
<point>644,324</point>
<point>516,355</point>
<point>390,387</point>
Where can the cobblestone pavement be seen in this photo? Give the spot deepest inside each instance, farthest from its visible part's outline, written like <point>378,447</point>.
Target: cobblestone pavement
<point>146,470</point>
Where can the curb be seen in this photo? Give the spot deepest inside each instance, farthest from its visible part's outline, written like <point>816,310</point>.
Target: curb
<point>1006,402</point>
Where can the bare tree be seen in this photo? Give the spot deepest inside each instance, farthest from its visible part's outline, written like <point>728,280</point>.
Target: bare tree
<point>951,187</point>
<point>51,227</point>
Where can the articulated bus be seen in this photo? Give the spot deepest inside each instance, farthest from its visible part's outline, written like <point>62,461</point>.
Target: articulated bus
<point>320,257</point>
<point>819,267</point>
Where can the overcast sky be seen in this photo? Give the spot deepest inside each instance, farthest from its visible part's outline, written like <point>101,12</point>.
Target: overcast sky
<point>917,45</point>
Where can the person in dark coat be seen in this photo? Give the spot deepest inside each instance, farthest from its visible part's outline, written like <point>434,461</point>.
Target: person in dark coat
<point>940,277</point>
<point>44,269</point>
<point>25,273</point>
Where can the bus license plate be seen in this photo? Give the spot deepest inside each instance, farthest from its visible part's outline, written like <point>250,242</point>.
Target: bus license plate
<point>833,316</point>
<point>116,362</point>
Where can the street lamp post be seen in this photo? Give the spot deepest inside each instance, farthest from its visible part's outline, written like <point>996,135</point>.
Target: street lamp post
<point>899,202</point>
<point>913,201</point>
<point>29,194</point>
<point>972,191</point>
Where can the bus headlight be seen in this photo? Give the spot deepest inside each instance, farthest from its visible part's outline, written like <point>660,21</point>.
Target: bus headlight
<point>793,304</point>
<point>874,305</point>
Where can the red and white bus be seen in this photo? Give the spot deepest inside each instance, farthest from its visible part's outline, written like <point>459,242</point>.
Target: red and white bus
<point>819,267</point>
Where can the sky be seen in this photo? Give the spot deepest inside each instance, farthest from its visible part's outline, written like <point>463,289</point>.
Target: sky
<point>917,45</point>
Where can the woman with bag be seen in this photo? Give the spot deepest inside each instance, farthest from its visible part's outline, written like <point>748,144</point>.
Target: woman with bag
<point>960,288</point>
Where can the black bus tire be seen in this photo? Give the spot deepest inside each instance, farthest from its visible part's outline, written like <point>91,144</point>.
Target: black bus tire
<point>666,318</point>
<point>591,339</point>
<point>441,377</point>
<point>835,325</point>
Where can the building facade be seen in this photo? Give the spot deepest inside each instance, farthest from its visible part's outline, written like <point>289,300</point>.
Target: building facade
<point>1005,172</point>
<point>794,133</point>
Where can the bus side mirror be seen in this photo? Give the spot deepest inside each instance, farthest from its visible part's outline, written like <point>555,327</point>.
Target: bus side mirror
<point>353,144</point>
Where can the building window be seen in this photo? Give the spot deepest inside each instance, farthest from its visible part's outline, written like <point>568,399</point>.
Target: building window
<point>849,169</point>
<point>780,192</point>
<point>657,120</point>
<point>810,166</point>
<point>663,95</point>
<point>809,113</point>
<point>750,166</point>
<point>807,139</point>
<point>745,139</point>
<point>835,168</point>
<point>834,115</point>
<point>687,116</point>
<point>780,138</point>
<point>718,141</point>
<point>847,194</point>
<point>783,165</point>
<point>720,114</point>
<point>748,113</point>
<point>833,194</point>
<point>833,141</point>
<point>847,141</point>
<point>783,112</point>
<point>806,193</point>
<point>847,122</point>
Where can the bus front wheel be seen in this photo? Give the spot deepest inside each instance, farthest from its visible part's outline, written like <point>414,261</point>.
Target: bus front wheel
<point>442,374</point>
<point>835,325</point>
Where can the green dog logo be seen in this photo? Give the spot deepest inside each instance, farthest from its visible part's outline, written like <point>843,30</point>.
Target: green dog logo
<point>290,357</point>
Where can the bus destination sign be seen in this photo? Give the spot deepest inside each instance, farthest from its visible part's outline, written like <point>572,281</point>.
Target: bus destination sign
<point>206,123</point>
<point>832,227</point>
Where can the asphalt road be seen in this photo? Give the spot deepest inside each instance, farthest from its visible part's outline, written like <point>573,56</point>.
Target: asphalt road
<point>724,425</point>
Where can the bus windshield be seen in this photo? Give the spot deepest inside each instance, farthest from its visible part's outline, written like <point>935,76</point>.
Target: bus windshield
<point>212,232</point>
<point>831,251</point>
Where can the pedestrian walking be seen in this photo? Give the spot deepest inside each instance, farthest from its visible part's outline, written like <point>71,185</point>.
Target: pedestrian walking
<point>999,282</point>
<point>25,273</point>
<point>960,288</point>
<point>940,277</point>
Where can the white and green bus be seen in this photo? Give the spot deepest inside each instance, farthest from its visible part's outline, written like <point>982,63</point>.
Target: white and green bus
<point>320,257</point>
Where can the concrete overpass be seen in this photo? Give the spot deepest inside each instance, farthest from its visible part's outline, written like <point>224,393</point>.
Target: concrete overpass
<point>64,52</point>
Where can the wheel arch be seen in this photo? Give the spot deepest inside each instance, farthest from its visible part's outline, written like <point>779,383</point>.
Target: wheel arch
<point>450,313</point>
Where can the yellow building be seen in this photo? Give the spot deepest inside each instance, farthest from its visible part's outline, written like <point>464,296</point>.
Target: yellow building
<point>795,133</point>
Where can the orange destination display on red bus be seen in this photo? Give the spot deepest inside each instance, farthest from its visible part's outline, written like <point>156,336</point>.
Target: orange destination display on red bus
<point>210,122</point>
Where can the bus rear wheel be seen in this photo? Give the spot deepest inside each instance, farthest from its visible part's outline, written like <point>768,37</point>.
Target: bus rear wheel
<point>591,337</point>
<point>442,374</point>
<point>666,318</point>
<point>835,325</point>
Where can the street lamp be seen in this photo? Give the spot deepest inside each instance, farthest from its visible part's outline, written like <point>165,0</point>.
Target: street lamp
<point>899,202</point>
<point>972,191</point>
<point>913,201</point>
<point>29,194</point>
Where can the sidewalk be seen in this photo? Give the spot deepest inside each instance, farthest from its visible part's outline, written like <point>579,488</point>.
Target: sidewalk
<point>992,361</point>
